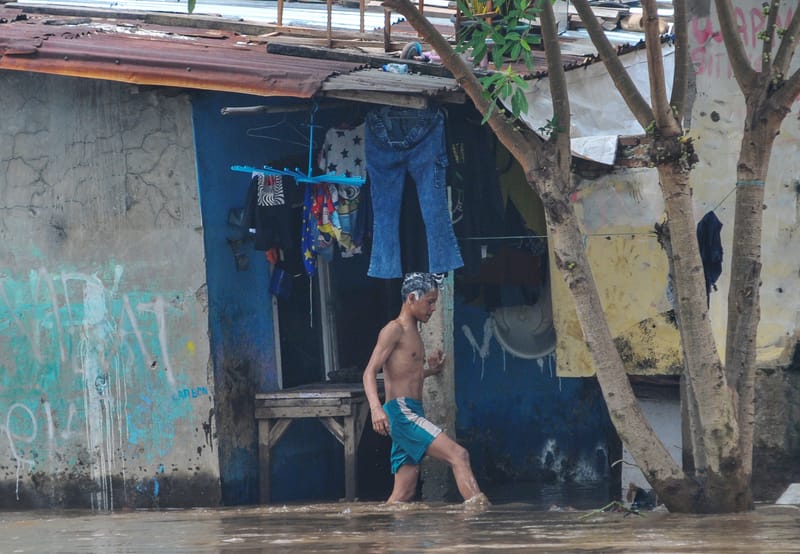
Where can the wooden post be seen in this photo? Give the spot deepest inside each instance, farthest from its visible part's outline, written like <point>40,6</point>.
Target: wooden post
<point>387,30</point>
<point>362,7</point>
<point>263,461</point>
<point>280,13</point>
<point>350,456</point>
<point>438,394</point>
<point>330,18</point>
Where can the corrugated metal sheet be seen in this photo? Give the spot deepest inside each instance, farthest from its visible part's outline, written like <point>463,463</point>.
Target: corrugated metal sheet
<point>104,44</point>
<point>135,52</point>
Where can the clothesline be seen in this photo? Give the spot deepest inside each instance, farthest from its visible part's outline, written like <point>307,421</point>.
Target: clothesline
<point>522,237</point>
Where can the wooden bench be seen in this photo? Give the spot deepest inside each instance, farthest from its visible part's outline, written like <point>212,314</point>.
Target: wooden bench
<point>341,408</point>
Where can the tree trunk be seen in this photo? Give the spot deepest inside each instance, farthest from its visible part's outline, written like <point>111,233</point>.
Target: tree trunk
<point>761,128</point>
<point>718,486</point>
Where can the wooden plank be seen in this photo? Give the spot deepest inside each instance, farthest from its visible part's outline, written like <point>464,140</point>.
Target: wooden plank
<point>387,98</point>
<point>605,13</point>
<point>277,47</point>
<point>301,412</point>
<point>336,429</point>
<point>264,467</point>
<point>277,430</point>
<point>293,403</point>
<point>406,83</point>
<point>308,394</point>
<point>349,43</point>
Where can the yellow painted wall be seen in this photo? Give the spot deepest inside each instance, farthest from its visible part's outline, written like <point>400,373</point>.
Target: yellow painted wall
<point>618,213</point>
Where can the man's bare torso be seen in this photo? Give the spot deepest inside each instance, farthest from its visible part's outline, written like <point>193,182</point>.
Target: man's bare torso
<point>403,371</point>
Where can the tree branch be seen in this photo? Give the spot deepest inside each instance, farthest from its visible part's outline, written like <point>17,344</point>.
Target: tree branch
<point>680,75</point>
<point>558,84</point>
<point>786,95</point>
<point>665,121</point>
<point>783,58</point>
<point>769,39</point>
<point>630,94</point>
<point>742,71</point>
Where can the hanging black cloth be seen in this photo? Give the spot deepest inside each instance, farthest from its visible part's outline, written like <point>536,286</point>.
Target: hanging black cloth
<point>267,211</point>
<point>478,209</point>
<point>708,238</point>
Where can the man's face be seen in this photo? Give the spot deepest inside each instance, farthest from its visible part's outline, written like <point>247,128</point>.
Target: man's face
<point>425,306</point>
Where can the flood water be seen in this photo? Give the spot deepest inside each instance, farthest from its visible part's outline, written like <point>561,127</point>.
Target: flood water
<point>420,527</point>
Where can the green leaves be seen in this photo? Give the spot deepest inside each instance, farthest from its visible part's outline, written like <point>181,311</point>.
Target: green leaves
<point>504,84</point>
<point>191,6</point>
<point>505,37</point>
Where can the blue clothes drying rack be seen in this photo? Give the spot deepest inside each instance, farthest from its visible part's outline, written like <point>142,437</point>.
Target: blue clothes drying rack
<point>298,175</point>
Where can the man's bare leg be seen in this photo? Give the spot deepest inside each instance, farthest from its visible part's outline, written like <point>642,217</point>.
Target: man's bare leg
<point>405,484</point>
<point>446,449</point>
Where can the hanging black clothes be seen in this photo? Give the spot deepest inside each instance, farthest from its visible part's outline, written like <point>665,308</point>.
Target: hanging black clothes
<point>267,211</point>
<point>477,206</point>
<point>708,238</point>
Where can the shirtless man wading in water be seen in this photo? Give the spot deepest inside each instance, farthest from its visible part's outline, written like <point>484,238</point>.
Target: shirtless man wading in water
<point>399,351</point>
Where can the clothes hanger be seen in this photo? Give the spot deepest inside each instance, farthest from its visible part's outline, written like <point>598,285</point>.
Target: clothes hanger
<point>257,132</point>
<point>299,176</point>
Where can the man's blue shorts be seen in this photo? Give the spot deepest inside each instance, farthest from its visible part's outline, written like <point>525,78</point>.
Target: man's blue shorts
<point>411,433</point>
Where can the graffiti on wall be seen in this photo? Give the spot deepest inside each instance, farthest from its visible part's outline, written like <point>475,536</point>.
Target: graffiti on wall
<point>84,365</point>
<point>482,349</point>
<point>709,55</point>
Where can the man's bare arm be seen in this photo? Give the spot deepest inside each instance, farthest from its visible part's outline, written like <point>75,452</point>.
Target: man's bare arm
<point>387,342</point>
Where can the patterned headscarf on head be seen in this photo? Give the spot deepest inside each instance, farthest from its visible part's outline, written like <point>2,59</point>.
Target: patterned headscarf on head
<point>419,283</point>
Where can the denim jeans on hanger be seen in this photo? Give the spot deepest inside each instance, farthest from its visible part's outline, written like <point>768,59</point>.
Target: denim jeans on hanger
<point>400,140</point>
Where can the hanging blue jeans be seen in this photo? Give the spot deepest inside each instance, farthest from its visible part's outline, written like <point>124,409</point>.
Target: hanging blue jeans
<point>400,140</point>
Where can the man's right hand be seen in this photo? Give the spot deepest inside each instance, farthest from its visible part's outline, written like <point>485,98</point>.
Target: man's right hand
<point>380,422</point>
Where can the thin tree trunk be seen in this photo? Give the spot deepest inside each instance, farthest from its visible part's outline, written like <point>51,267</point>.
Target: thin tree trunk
<point>768,95</point>
<point>744,290</point>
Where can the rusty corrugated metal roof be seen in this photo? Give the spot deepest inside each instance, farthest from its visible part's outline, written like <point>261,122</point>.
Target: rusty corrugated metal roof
<point>136,52</point>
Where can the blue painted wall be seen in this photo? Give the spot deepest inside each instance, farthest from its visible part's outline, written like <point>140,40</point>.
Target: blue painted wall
<point>240,305</point>
<point>519,421</point>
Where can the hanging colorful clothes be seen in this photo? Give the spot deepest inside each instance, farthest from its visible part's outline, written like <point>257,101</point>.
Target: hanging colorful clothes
<point>343,153</point>
<point>310,232</point>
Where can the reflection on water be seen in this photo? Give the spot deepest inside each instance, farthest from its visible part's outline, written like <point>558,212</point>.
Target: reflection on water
<point>372,527</point>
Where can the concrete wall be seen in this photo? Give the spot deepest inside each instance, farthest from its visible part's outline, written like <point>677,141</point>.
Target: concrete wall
<point>105,390</point>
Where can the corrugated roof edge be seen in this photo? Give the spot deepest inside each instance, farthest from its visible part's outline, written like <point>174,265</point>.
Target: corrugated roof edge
<point>145,53</point>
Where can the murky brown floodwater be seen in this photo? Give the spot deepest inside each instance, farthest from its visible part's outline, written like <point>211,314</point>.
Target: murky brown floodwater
<point>372,527</point>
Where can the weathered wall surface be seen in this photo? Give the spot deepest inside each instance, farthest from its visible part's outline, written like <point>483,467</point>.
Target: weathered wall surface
<point>618,213</point>
<point>717,123</point>
<point>519,420</point>
<point>105,394</point>
<point>631,270</point>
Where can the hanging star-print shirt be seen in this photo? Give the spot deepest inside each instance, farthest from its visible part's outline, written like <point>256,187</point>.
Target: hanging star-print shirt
<point>343,154</point>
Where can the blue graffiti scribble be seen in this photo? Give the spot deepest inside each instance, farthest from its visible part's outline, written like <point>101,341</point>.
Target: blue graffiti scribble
<point>185,394</point>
